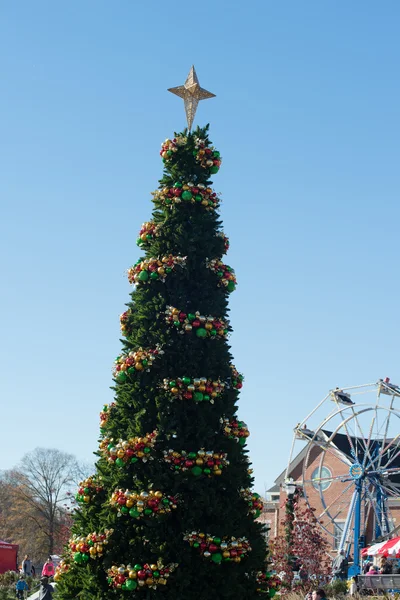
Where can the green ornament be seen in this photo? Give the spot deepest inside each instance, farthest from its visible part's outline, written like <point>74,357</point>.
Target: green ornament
<point>121,377</point>
<point>177,323</point>
<point>124,510</point>
<point>201,332</point>
<point>207,471</point>
<point>137,567</point>
<point>172,384</point>
<point>198,198</point>
<point>186,380</point>
<point>213,331</point>
<point>206,397</point>
<point>178,184</point>
<point>186,195</point>
<point>242,441</point>
<point>86,490</point>
<point>156,574</point>
<point>123,586</point>
<point>131,584</point>
<point>257,514</point>
<point>214,169</point>
<point>217,557</point>
<point>85,557</point>
<point>145,362</point>
<point>149,236</point>
<point>90,543</point>
<point>197,471</point>
<point>216,154</point>
<point>169,152</point>
<point>167,200</point>
<point>256,495</point>
<point>191,317</point>
<point>198,396</point>
<point>192,455</point>
<point>154,275</point>
<point>139,242</point>
<point>134,513</point>
<point>148,511</point>
<point>119,462</point>
<point>143,276</point>
<point>131,371</point>
<point>134,459</point>
<point>219,273</point>
<point>146,450</point>
<point>165,501</point>
<point>217,540</point>
<point>231,286</point>
<point>271,592</point>
<point>78,557</point>
<point>168,269</point>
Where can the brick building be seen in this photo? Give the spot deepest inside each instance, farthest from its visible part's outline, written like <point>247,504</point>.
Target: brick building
<point>319,480</point>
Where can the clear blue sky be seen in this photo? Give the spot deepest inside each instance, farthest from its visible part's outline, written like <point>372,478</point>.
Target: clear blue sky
<point>307,120</point>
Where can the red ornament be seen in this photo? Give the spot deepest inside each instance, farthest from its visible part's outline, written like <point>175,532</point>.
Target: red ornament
<point>141,574</point>
<point>213,548</point>
<point>196,323</point>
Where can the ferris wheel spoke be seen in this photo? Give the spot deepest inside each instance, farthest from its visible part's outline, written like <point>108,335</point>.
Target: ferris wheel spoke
<point>362,438</point>
<point>316,481</point>
<point>390,461</point>
<point>392,441</point>
<point>327,508</point>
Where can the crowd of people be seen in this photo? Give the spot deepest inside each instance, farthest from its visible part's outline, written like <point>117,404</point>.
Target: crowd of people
<point>28,570</point>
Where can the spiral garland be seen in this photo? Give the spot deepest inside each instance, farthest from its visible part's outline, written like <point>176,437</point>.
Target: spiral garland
<point>143,504</point>
<point>105,415</point>
<point>236,378</point>
<point>268,583</point>
<point>91,546</point>
<point>61,568</point>
<point>129,451</point>
<point>219,549</point>
<point>207,157</point>
<point>144,576</point>
<point>198,389</point>
<point>148,232</point>
<point>187,193</point>
<point>203,326</point>
<point>203,462</point>
<point>88,488</point>
<point>127,365</point>
<point>226,275</point>
<point>235,430</point>
<point>154,269</point>
<point>253,501</point>
<point>225,240</point>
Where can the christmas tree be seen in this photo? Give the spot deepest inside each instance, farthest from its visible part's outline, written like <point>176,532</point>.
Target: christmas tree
<point>169,512</point>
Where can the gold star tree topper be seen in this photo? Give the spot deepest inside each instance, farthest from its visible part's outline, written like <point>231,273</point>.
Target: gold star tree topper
<point>192,93</point>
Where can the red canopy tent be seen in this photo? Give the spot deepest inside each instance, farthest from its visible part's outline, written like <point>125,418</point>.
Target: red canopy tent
<point>8,556</point>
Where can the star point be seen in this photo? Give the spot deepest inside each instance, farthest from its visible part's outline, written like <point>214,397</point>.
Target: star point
<point>192,93</point>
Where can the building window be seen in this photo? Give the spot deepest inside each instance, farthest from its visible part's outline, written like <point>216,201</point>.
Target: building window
<point>318,474</point>
<point>338,527</point>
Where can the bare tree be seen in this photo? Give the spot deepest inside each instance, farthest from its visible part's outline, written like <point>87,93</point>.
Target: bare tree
<point>38,495</point>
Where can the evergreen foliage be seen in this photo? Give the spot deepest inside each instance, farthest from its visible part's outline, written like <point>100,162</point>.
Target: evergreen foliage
<point>156,393</point>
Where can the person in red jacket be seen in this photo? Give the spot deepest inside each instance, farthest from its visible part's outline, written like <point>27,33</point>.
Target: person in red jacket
<point>48,568</point>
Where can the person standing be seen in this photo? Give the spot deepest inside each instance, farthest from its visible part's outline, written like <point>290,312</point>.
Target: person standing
<point>48,568</point>
<point>319,594</point>
<point>21,586</point>
<point>27,566</point>
<point>46,590</point>
<point>340,565</point>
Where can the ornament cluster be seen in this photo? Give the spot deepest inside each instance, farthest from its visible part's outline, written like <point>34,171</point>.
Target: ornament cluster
<point>129,451</point>
<point>226,275</point>
<point>253,501</point>
<point>235,430</point>
<point>88,488</point>
<point>137,361</point>
<point>268,583</point>
<point>154,269</point>
<point>147,233</point>
<point>219,549</point>
<point>236,378</point>
<point>128,578</point>
<point>207,157</point>
<point>203,326</point>
<point>225,239</point>
<point>61,569</point>
<point>170,147</point>
<point>91,546</point>
<point>187,193</point>
<point>105,415</point>
<point>203,462</point>
<point>199,389</point>
<point>143,504</point>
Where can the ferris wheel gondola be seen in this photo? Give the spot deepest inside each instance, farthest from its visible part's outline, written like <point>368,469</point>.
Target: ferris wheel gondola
<point>351,463</point>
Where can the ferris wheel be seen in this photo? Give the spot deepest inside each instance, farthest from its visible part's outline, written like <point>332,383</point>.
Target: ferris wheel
<point>345,456</point>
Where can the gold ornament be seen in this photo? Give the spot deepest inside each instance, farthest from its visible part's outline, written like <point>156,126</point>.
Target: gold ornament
<point>192,93</point>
